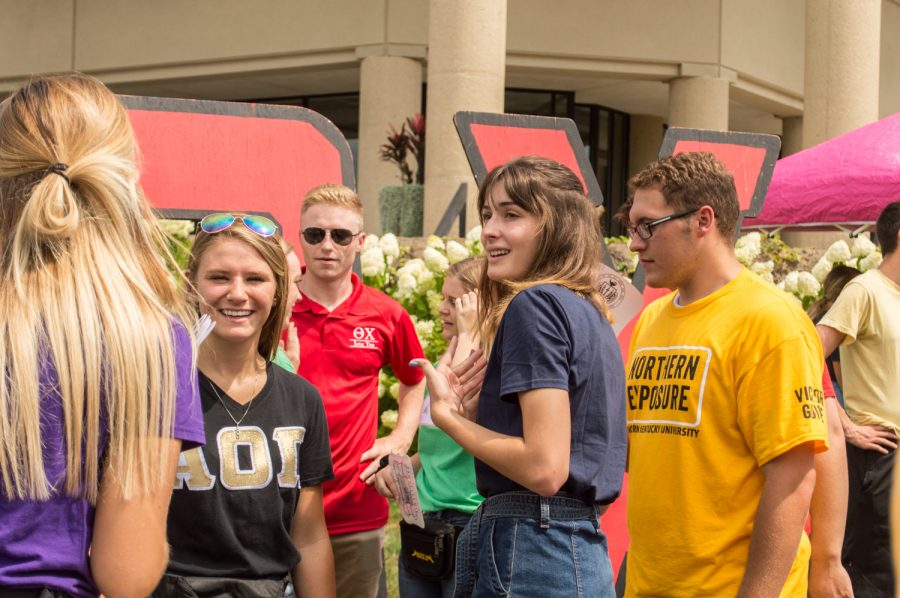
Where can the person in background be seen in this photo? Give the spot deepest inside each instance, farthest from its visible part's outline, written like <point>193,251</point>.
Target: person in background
<point>288,354</point>
<point>445,473</point>
<point>348,332</point>
<point>864,322</point>
<point>832,286</point>
<point>549,434</point>
<point>246,514</point>
<point>98,393</point>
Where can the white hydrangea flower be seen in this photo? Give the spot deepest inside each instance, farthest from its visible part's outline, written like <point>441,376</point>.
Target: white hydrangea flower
<point>456,252</point>
<point>406,285</point>
<point>435,241</point>
<point>870,261</point>
<point>394,390</point>
<point>822,268</point>
<point>381,389</point>
<point>412,267</point>
<point>389,245</point>
<point>790,281</point>
<point>371,241</point>
<point>746,253</point>
<point>764,270</point>
<point>473,236</point>
<point>435,260</point>
<point>372,261</point>
<point>838,252</point>
<point>780,285</point>
<point>862,246</point>
<point>434,300</point>
<point>750,239</point>
<point>424,330</point>
<point>180,229</point>
<point>389,418</point>
<point>807,285</point>
<point>425,278</point>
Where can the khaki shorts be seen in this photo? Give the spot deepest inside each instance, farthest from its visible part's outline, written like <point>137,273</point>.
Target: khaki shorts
<point>358,562</point>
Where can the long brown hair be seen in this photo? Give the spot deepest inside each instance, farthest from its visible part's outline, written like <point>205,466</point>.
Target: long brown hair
<point>569,244</point>
<point>85,283</point>
<point>834,283</point>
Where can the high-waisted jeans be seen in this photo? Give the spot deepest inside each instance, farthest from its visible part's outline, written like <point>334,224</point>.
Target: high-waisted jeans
<point>522,545</point>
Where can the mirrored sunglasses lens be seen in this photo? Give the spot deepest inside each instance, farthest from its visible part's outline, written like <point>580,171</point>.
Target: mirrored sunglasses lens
<point>213,223</point>
<point>341,236</point>
<point>313,235</point>
<point>261,225</point>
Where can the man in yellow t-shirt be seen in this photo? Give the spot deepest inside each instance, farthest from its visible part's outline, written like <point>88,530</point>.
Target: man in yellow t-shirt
<point>724,401</point>
<point>865,322</point>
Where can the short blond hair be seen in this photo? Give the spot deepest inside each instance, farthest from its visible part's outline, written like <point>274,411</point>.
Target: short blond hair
<point>330,194</point>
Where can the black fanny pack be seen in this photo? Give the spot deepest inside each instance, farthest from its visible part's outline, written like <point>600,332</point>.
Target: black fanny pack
<point>429,553</point>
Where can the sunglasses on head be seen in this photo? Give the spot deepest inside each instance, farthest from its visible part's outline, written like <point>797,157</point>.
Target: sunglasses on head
<point>315,235</point>
<point>216,223</point>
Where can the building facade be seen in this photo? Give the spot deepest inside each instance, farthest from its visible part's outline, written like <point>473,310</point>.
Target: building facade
<point>807,70</point>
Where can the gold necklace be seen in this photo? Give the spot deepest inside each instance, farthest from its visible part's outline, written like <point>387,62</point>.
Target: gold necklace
<point>237,422</point>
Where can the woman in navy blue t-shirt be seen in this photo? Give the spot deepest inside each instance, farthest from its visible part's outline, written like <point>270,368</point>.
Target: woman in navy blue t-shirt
<point>549,436</point>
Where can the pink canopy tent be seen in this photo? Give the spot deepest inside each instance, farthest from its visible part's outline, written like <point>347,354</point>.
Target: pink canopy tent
<point>843,183</point>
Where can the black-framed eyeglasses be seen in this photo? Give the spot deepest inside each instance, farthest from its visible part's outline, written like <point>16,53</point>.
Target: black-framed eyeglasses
<point>644,230</point>
<point>341,236</point>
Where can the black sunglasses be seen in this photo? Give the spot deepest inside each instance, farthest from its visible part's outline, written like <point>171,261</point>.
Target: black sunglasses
<point>644,230</point>
<point>315,235</point>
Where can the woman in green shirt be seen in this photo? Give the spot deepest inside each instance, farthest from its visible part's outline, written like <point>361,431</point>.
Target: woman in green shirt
<point>445,473</point>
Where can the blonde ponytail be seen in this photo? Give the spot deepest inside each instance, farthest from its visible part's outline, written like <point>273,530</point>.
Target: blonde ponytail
<point>84,289</point>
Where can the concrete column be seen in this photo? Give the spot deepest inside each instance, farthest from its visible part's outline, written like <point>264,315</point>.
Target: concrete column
<point>843,39</point>
<point>699,103</point>
<point>466,71</point>
<point>390,90</point>
<point>791,135</point>
<point>645,135</point>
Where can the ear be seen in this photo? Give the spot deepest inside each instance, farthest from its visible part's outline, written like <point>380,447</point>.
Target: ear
<point>360,240</point>
<point>706,221</point>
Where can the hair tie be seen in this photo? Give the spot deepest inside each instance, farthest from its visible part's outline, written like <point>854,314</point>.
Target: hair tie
<point>60,169</point>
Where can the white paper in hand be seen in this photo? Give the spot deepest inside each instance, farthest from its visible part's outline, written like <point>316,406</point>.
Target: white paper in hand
<point>408,500</point>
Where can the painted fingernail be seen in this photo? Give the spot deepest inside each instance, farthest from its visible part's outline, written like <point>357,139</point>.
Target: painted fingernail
<point>414,363</point>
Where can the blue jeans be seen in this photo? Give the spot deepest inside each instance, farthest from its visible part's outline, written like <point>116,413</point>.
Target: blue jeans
<point>414,587</point>
<point>522,545</point>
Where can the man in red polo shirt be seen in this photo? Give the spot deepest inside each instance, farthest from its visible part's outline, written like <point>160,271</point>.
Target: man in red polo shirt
<point>348,332</point>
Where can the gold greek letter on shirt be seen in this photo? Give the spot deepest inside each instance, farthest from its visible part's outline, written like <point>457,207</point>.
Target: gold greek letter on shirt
<point>288,439</point>
<point>193,471</point>
<point>259,473</point>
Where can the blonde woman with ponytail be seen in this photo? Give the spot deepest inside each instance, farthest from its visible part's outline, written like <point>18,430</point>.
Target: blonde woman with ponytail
<point>98,395</point>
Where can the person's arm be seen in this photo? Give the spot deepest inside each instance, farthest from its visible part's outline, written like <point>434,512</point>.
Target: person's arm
<point>828,510</point>
<point>121,565</point>
<point>409,408</point>
<point>314,574</point>
<point>779,521</point>
<point>384,480</point>
<point>870,438</point>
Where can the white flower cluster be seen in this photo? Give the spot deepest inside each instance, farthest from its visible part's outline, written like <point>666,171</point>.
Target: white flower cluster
<point>473,241</point>
<point>862,255</point>
<point>377,254</point>
<point>424,330</point>
<point>748,248</point>
<point>764,270</point>
<point>414,278</point>
<point>389,418</point>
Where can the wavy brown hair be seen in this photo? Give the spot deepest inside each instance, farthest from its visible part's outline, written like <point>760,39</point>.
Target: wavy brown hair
<point>85,284</point>
<point>569,242</point>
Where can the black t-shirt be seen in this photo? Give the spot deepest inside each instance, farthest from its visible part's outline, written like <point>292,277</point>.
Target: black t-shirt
<point>550,337</point>
<point>234,498</point>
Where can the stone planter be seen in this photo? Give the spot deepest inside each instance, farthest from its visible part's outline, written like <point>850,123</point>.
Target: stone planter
<point>400,209</point>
